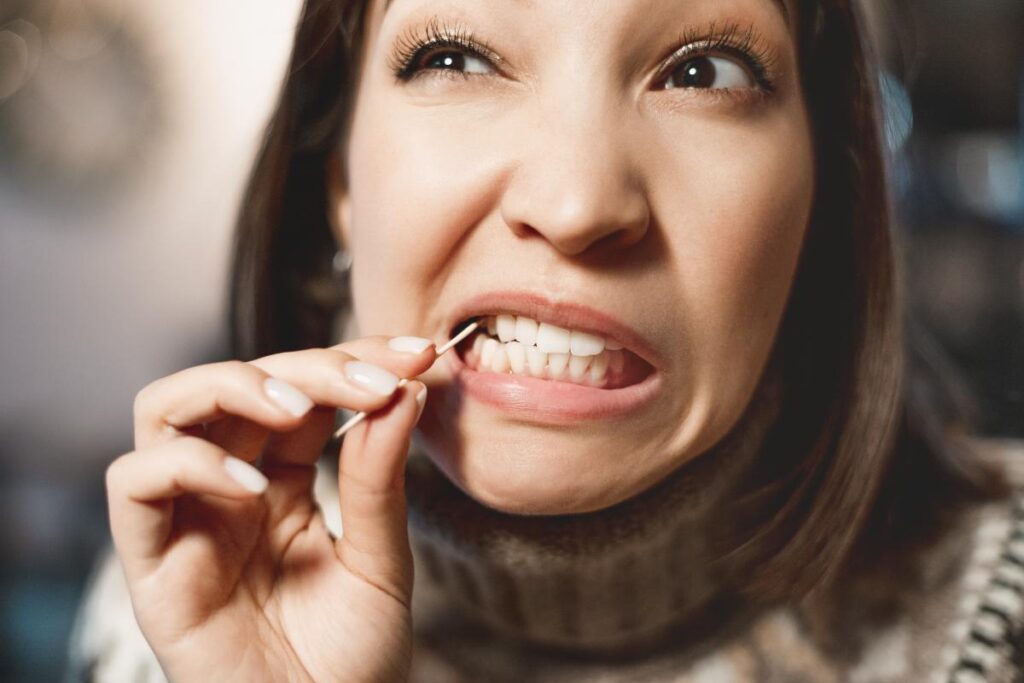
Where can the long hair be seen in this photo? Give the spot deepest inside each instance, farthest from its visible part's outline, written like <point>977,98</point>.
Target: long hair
<point>861,459</point>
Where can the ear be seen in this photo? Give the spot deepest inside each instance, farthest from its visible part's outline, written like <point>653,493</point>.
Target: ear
<point>339,205</point>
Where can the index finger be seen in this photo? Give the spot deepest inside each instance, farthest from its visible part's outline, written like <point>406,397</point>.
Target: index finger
<point>403,356</point>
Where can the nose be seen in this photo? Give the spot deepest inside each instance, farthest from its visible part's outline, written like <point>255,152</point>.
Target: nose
<point>577,184</point>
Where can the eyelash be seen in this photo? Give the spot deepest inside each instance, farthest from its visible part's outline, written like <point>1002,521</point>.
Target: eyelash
<point>410,47</point>
<point>731,40</point>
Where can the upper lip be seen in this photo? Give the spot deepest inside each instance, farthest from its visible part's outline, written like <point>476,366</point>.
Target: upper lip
<point>567,314</point>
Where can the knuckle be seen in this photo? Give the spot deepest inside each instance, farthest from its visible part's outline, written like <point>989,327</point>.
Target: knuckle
<point>334,355</point>
<point>268,365</point>
<point>195,447</point>
<point>336,359</point>
<point>237,368</point>
<point>235,376</point>
<point>142,404</point>
<point>114,473</point>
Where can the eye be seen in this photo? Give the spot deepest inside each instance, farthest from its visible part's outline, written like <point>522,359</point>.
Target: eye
<point>448,59</point>
<point>710,72</point>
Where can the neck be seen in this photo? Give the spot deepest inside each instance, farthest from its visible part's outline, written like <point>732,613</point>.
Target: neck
<point>614,579</point>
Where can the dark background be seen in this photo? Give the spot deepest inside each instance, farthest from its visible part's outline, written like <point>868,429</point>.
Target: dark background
<point>126,129</point>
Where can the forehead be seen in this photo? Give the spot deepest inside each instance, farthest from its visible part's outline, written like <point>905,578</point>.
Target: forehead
<point>780,5</point>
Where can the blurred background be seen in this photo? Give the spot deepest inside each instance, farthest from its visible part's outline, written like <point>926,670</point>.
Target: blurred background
<point>126,130</point>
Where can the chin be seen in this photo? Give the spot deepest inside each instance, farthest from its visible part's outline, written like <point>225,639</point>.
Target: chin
<point>534,491</point>
<point>551,477</point>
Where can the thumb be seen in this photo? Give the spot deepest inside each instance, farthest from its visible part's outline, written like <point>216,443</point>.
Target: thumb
<point>374,543</point>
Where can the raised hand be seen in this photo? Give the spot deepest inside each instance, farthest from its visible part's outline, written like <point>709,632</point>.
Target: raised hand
<point>232,571</point>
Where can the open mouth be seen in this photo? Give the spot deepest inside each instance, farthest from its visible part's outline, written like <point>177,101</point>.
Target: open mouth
<point>518,345</point>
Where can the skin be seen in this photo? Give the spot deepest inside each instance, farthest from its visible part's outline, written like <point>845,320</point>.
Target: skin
<point>685,222</point>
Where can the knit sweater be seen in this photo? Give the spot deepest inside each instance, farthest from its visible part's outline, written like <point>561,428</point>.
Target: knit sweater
<point>963,624</point>
<point>624,594</point>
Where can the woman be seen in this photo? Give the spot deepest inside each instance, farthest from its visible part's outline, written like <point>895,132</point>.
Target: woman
<point>685,443</point>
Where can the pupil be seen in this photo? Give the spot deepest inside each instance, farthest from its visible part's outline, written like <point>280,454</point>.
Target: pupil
<point>446,60</point>
<point>698,73</point>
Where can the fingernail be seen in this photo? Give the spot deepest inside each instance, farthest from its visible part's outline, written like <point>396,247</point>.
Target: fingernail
<point>245,474</point>
<point>409,344</point>
<point>375,378</point>
<point>287,396</point>
<point>421,400</point>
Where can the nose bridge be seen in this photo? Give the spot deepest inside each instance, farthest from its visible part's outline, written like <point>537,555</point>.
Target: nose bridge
<point>578,180</point>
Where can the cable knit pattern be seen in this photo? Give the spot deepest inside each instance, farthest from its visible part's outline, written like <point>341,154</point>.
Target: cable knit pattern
<point>963,624</point>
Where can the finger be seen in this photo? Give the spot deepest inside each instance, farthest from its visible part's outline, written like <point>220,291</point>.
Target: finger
<point>375,540</point>
<point>239,437</point>
<point>321,372</point>
<point>397,354</point>
<point>207,393</point>
<point>142,486</point>
<point>302,446</point>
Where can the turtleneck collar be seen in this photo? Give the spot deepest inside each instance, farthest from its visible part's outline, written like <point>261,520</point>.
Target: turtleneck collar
<point>611,580</point>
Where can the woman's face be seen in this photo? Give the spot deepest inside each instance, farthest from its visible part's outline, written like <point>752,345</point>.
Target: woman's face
<point>637,173</point>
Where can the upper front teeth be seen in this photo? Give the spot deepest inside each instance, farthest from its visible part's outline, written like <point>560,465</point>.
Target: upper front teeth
<point>546,337</point>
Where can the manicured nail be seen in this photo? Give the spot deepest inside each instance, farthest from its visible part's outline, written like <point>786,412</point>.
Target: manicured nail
<point>421,400</point>
<point>409,344</point>
<point>245,474</point>
<point>287,396</point>
<point>372,377</point>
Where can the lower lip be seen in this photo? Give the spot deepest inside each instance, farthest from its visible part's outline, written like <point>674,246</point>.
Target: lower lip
<point>548,401</point>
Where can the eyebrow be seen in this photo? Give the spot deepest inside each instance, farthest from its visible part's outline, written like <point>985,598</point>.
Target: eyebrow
<point>780,5</point>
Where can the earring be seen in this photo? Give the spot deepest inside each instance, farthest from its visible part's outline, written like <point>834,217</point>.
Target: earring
<point>341,268</point>
<point>341,264</point>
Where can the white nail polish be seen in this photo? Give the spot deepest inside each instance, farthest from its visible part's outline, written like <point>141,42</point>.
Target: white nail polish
<point>245,474</point>
<point>372,377</point>
<point>287,396</point>
<point>421,400</point>
<point>409,344</point>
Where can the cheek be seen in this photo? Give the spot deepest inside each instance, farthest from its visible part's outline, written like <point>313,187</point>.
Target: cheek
<point>739,226</point>
<point>417,180</point>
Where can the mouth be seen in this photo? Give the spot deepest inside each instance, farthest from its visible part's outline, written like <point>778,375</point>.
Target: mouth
<point>556,363</point>
<point>507,343</point>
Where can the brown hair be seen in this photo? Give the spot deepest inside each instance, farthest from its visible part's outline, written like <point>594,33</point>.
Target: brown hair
<point>861,460</point>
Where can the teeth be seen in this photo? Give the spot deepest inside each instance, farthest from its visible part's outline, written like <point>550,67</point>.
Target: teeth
<point>536,359</point>
<point>584,344</point>
<point>478,345</point>
<point>543,350</point>
<point>578,366</point>
<point>487,352</point>
<point>499,361</point>
<point>520,359</point>
<point>556,363</point>
<point>552,339</point>
<point>526,330</point>
<point>598,367</point>
<point>516,357</point>
<point>506,325</point>
<point>545,336</point>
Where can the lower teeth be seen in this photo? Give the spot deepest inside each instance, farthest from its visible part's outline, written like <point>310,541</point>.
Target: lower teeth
<point>489,354</point>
